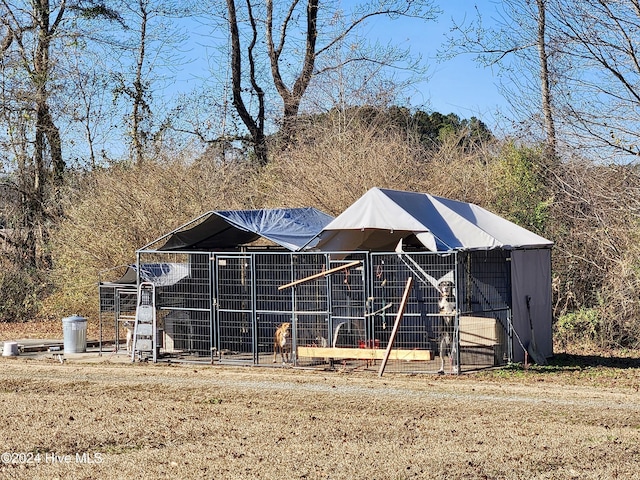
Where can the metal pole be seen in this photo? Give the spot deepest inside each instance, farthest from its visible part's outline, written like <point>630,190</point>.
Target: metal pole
<point>254,314</point>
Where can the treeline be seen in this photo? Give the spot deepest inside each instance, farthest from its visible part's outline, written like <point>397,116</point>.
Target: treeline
<point>98,158</point>
<point>589,211</point>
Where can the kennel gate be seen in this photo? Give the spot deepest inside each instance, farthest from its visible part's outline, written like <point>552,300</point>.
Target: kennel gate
<point>117,305</point>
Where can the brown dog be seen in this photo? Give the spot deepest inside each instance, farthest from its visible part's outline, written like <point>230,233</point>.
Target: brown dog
<point>282,342</point>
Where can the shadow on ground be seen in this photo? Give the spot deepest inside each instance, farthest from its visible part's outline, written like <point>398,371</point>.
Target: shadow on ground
<point>566,362</point>
<point>582,361</point>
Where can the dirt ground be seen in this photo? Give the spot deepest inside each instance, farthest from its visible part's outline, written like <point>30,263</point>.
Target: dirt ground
<point>578,418</point>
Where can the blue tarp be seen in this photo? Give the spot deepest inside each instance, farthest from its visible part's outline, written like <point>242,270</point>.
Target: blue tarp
<point>291,228</point>
<point>160,274</point>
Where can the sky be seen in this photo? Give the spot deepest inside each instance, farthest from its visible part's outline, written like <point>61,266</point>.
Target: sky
<point>458,85</point>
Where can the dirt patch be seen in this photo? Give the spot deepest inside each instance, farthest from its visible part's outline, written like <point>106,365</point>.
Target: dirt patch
<point>159,421</point>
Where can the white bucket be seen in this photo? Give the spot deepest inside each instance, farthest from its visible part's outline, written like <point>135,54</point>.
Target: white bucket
<point>10,349</point>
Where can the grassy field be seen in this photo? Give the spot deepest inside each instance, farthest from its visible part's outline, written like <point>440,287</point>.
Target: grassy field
<point>577,418</point>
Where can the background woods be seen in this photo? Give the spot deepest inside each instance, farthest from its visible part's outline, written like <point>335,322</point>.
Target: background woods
<point>101,151</point>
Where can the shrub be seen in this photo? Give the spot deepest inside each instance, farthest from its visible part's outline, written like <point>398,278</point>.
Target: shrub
<point>337,160</point>
<point>20,294</point>
<point>519,193</point>
<point>583,325</point>
<point>594,224</point>
<point>114,212</point>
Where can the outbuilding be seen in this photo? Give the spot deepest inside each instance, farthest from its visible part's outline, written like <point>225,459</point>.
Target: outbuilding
<point>366,285</point>
<point>385,220</point>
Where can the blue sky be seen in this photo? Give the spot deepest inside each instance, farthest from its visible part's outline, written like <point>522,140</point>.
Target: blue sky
<point>459,85</point>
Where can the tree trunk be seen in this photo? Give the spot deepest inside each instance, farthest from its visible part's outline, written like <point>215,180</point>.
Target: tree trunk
<point>47,140</point>
<point>291,98</point>
<point>549,125</point>
<point>138,92</point>
<point>255,126</point>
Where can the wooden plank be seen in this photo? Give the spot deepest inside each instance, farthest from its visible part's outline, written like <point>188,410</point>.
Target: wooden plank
<point>392,338</point>
<point>341,353</point>
<point>479,332</point>
<point>321,274</point>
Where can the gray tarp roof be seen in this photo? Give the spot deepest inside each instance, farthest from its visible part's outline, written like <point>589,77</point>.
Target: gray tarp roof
<point>291,228</point>
<point>381,218</point>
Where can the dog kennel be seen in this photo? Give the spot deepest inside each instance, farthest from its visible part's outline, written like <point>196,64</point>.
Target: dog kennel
<point>225,282</point>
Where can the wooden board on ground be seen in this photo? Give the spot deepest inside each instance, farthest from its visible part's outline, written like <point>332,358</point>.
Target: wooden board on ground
<point>364,353</point>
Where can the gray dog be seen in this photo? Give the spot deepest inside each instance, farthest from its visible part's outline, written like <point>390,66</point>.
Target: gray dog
<point>447,306</point>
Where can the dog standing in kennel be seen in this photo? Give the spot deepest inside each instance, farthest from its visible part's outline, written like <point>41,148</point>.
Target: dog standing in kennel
<point>282,343</point>
<point>447,309</point>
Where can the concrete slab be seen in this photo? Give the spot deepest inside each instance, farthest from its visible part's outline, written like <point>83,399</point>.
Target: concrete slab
<point>53,349</point>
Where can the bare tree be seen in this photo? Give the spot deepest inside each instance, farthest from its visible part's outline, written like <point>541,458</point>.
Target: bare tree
<point>545,87</point>
<point>140,107</point>
<point>254,125</point>
<point>27,97</point>
<point>142,45</point>
<point>598,94</point>
<point>299,37</point>
<point>291,96</point>
<point>35,36</point>
<point>588,64</point>
<point>91,113</point>
<point>519,44</point>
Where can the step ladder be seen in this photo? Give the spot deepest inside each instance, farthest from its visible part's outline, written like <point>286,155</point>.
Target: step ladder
<point>144,330</point>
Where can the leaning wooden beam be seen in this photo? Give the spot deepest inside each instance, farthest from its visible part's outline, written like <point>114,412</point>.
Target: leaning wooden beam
<point>396,325</point>
<point>341,353</point>
<point>321,274</point>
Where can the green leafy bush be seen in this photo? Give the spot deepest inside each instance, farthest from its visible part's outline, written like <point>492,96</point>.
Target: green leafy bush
<point>519,189</point>
<point>583,325</point>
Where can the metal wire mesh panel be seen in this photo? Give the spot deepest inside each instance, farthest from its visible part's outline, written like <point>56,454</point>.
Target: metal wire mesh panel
<point>472,287</point>
<point>273,306</point>
<point>347,293</point>
<point>485,303</point>
<point>311,304</point>
<point>267,325</point>
<point>272,270</point>
<point>107,315</point>
<point>117,307</point>
<point>235,307</point>
<point>310,296</point>
<point>486,285</point>
<point>125,300</point>
<point>422,328</point>
<point>182,280</point>
<point>183,301</point>
<point>187,334</point>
